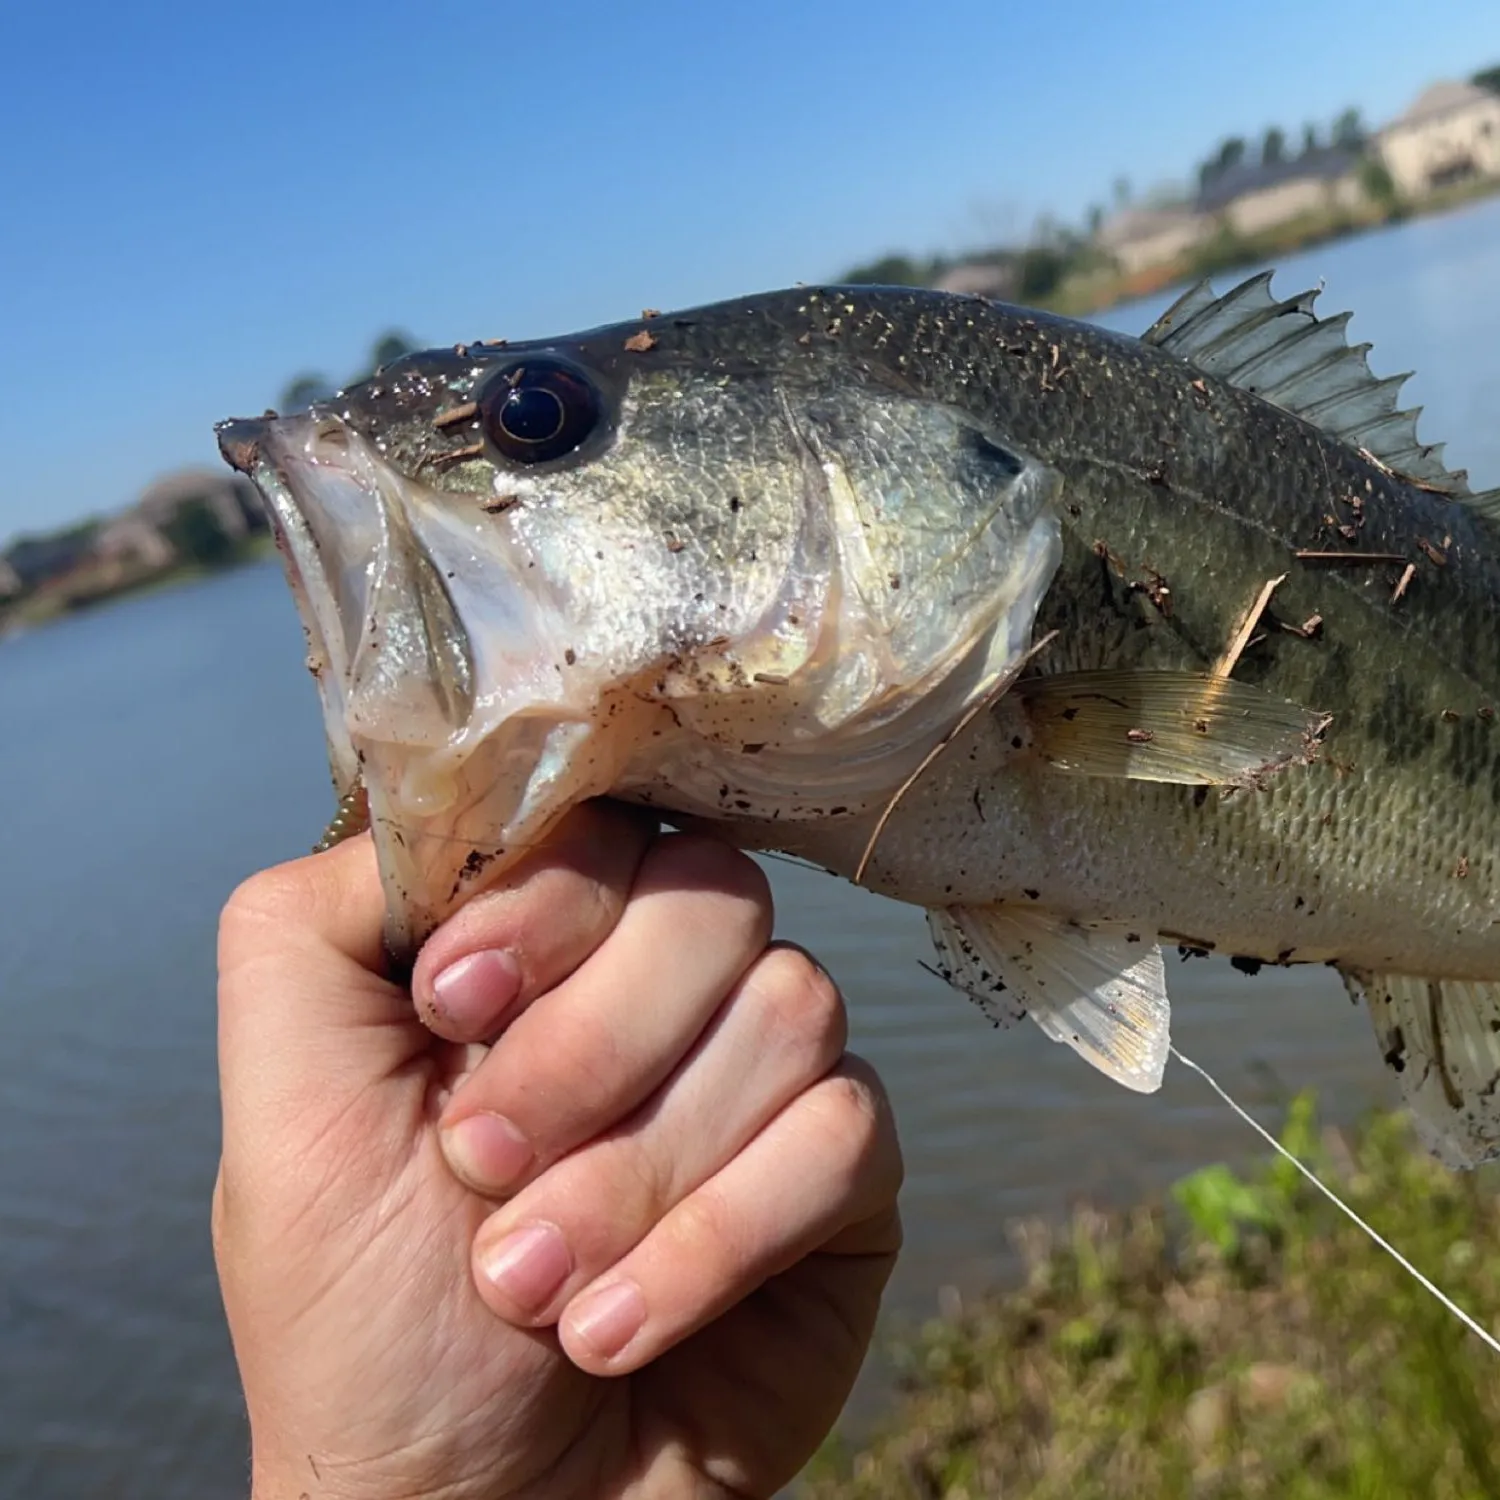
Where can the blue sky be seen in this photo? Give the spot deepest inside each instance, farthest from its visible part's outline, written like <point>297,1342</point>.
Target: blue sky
<point>194,208</point>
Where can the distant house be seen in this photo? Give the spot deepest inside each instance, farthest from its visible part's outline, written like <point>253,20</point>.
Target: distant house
<point>1255,196</point>
<point>1450,132</point>
<point>1140,239</point>
<point>132,542</point>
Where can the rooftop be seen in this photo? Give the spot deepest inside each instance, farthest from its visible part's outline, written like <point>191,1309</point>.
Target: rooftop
<point>1439,99</point>
<point>1326,164</point>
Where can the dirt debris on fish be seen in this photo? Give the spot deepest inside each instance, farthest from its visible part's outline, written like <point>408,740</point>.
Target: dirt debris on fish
<point>751,566</point>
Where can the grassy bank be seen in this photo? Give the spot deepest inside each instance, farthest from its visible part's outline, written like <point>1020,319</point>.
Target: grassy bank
<point>1243,1341</point>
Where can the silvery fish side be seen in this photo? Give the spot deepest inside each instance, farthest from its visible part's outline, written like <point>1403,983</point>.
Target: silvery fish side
<point>1086,644</point>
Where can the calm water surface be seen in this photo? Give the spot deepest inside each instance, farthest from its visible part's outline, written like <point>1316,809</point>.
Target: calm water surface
<point>153,753</point>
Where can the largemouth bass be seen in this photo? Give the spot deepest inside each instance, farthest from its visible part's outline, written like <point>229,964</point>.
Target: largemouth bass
<point>1089,645</point>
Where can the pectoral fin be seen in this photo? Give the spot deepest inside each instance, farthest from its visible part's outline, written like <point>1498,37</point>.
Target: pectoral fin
<point>1441,1038</point>
<point>1165,726</point>
<point>1098,987</point>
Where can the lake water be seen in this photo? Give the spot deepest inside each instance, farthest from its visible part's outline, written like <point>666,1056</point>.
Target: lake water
<point>153,753</point>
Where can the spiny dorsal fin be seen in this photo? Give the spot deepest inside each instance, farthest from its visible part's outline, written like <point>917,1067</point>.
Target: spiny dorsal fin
<point>1286,354</point>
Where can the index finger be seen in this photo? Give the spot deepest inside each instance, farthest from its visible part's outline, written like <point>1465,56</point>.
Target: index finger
<point>300,947</point>
<point>537,925</point>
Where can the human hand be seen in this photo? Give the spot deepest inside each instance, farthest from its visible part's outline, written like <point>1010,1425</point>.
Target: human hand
<point>706,1182</point>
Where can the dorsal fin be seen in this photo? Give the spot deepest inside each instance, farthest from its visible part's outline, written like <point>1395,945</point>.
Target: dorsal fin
<point>1286,354</point>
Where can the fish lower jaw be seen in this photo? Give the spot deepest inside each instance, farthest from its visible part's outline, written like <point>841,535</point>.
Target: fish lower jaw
<point>447,826</point>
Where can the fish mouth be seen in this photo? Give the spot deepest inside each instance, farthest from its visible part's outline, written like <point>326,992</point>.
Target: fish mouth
<point>378,616</point>
<point>456,786</point>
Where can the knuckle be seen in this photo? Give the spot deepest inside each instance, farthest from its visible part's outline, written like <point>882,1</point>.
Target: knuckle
<point>706,1224</point>
<point>654,1185</point>
<point>610,1194</point>
<point>856,1112</point>
<point>603,834</point>
<point>800,1002</point>
<point>845,1102</point>
<point>268,898</point>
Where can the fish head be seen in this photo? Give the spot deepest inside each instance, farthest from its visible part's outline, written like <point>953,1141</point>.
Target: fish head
<point>702,562</point>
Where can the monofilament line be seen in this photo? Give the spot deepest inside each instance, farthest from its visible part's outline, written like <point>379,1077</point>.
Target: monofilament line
<point>1427,1285</point>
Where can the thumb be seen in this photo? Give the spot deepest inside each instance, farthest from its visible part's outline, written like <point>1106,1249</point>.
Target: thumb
<point>304,1010</point>
<point>307,1019</point>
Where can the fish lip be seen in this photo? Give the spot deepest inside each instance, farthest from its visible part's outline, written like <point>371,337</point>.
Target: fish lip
<point>239,441</point>
<point>260,448</point>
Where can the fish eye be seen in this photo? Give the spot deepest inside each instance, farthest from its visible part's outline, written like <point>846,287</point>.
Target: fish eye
<point>538,411</point>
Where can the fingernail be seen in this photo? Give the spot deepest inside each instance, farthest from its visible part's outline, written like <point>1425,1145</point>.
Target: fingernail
<point>528,1266</point>
<point>486,1150</point>
<point>473,993</point>
<point>607,1320</point>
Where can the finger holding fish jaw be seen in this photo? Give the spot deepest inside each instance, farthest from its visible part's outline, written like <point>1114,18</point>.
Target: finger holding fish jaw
<point>531,929</point>
<point>667,1112</point>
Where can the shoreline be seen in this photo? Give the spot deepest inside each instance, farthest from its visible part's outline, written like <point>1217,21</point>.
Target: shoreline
<point>1089,292</point>
<point>36,610</point>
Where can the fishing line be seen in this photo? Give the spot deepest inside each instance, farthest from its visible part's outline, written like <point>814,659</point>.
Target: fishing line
<point>1424,1282</point>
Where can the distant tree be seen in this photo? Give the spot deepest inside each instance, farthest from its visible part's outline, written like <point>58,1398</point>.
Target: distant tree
<point>1230,154</point>
<point>1488,78</point>
<point>80,533</point>
<point>303,390</point>
<point>1121,192</point>
<point>1309,139</point>
<point>196,536</point>
<point>1095,218</point>
<point>1273,146</point>
<point>1164,194</point>
<point>1376,180</point>
<point>890,270</point>
<point>391,346</point>
<point>1349,131</point>
<point>1041,267</point>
